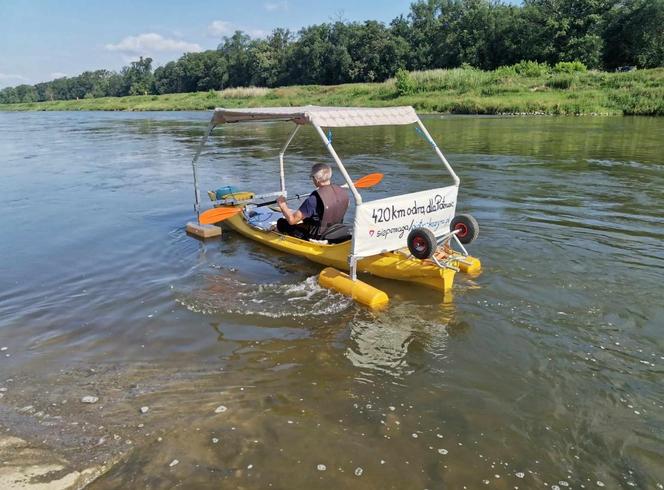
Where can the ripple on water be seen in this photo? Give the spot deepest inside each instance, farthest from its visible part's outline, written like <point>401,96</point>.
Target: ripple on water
<point>224,293</point>
<point>551,374</point>
<point>381,343</point>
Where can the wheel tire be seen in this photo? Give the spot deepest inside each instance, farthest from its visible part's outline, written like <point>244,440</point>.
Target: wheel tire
<point>422,243</point>
<point>467,226</point>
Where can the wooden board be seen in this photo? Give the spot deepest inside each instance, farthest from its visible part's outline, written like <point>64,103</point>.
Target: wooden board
<point>203,231</point>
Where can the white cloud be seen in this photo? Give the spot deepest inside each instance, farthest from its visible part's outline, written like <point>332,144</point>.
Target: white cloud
<point>57,74</point>
<point>150,43</point>
<point>12,76</point>
<point>219,28</point>
<point>254,33</point>
<point>276,6</point>
<point>223,28</point>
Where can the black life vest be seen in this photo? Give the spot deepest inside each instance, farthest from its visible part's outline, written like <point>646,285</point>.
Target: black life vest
<point>332,206</point>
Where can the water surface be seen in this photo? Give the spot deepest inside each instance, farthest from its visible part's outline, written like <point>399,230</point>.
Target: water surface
<point>545,370</point>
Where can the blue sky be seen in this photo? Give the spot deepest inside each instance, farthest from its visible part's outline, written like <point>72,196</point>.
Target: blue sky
<point>44,39</point>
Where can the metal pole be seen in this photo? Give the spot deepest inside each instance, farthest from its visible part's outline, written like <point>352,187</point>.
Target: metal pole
<point>457,181</point>
<point>342,169</point>
<point>352,260</point>
<point>281,159</point>
<point>353,267</point>
<point>197,193</point>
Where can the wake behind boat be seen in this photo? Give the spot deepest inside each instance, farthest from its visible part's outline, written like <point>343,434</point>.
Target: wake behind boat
<point>407,237</point>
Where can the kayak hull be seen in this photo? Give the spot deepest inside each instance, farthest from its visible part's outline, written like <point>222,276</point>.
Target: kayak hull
<point>390,265</point>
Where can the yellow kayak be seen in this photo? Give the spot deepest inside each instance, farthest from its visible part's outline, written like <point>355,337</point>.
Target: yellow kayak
<point>378,225</point>
<point>391,265</point>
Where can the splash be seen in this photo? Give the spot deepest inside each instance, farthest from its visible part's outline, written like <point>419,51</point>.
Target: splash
<point>227,294</point>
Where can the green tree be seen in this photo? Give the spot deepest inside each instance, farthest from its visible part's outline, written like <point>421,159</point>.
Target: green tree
<point>434,34</point>
<point>215,71</point>
<point>308,57</point>
<point>8,96</point>
<point>26,93</point>
<point>268,59</point>
<point>567,30</point>
<point>635,35</point>
<point>424,23</point>
<point>375,52</point>
<point>60,89</point>
<point>138,78</point>
<point>236,51</point>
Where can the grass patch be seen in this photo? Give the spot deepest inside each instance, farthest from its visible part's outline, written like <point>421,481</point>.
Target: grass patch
<point>243,92</point>
<point>560,82</point>
<point>524,88</point>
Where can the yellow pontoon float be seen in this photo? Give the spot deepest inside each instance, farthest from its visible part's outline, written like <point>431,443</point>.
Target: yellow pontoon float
<point>407,237</point>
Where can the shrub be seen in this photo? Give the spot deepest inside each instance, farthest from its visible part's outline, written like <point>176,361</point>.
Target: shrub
<point>404,82</point>
<point>560,82</point>
<point>504,72</point>
<point>570,67</point>
<point>531,69</point>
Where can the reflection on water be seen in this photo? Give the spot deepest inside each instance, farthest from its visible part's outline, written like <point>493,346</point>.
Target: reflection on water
<point>545,370</point>
<point>386,343</point>
<point>380,345</point>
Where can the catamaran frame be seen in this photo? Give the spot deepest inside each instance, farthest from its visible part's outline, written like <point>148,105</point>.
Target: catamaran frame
<point>319,118</point>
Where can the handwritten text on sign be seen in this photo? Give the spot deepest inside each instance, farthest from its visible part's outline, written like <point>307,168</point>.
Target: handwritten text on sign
<point>384,224</point>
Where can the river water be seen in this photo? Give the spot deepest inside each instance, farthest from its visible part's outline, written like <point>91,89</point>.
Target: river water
<point>543,371</point>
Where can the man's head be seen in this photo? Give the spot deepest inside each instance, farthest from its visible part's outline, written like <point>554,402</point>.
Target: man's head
<point>321,173</point>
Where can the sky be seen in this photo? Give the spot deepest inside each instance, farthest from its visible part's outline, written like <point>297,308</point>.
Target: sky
<point>45,39</point>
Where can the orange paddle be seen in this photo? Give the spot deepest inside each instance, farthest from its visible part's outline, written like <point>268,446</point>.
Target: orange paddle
<point>215,215</point>
<point>368,180</point>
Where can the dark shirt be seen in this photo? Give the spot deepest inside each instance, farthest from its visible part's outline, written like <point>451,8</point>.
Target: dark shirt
<point>310,208</point>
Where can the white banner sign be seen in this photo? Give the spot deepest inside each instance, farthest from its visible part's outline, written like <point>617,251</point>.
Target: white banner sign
<point>383,225</point>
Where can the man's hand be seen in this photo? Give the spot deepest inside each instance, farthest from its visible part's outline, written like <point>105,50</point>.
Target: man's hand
<point>293,218</point>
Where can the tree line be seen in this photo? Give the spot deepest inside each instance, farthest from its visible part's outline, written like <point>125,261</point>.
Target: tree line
<point>485,34</point>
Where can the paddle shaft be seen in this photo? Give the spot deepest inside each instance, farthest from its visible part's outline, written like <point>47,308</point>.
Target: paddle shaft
<point>218,214</point>
<point>366,181</point>
<point>215,215</point>
<point>297,196</point>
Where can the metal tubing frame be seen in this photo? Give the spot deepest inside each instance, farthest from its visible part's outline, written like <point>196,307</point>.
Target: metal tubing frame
<point>356,195</point>
<point>342,169</point>
<point>352,260</point>
<point>282,177</point>
<point>194,167</point>
<point>457,181</point>
<point>197,192</point>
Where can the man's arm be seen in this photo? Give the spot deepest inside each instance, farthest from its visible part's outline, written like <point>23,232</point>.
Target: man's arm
<point>293,217</point>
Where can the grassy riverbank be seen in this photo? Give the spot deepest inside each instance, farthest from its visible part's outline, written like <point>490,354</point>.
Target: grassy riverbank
<point>459,91</point>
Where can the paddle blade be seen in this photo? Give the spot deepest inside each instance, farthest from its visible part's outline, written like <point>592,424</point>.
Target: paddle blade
<point>215,215</point>
<point>369,180</point>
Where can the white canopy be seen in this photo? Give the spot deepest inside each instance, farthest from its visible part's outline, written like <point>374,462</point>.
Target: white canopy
<point>328,117</point>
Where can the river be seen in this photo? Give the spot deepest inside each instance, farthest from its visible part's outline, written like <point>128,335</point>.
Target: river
<point>543,371</point>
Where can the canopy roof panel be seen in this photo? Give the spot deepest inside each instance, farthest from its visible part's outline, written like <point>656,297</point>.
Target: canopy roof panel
<point>329,117</point>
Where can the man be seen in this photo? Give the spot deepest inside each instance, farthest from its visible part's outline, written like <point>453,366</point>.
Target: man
<point>323,208</point>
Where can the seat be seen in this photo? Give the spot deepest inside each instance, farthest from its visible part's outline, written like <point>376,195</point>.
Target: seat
<point>338,233</point>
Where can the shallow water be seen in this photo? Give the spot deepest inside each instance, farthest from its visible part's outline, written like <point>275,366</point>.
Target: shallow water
<point>544,370</point>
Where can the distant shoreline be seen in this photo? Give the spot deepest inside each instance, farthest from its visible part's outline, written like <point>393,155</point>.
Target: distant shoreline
<point>457,91</point>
